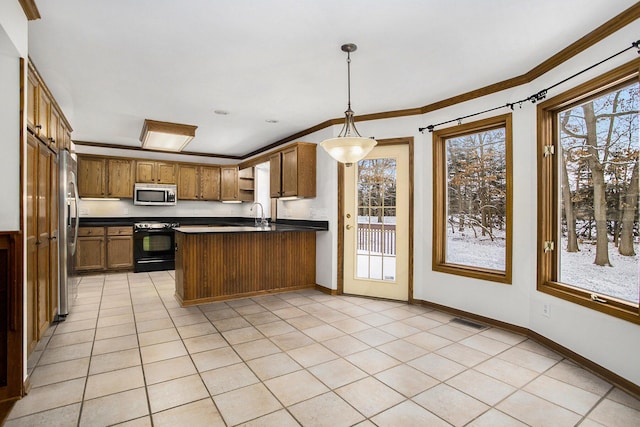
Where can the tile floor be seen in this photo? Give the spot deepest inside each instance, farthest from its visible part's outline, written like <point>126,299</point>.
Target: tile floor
<point>129,355</point>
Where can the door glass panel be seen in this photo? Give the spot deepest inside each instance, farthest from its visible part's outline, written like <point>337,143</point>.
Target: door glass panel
<point>598,195</point>
<point>376,233</point>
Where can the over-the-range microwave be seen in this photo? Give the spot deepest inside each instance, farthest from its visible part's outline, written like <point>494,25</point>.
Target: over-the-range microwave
<point>154,194</point>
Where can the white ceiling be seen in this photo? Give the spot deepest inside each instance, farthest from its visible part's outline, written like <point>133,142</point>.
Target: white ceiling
<point>112,63</point>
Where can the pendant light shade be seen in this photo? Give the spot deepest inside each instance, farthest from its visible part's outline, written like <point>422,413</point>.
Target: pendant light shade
<point>348,147</point>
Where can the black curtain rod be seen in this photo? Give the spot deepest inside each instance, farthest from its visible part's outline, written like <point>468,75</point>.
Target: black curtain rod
<point>538,96</point>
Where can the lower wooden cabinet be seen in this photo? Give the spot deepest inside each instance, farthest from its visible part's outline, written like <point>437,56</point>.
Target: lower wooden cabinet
<point>104,248</point>
<point>119,248</point>
<point>90,250</point>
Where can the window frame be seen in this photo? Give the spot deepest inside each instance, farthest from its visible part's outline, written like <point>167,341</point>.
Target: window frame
<point>439,262</point>
<point>548,191</point>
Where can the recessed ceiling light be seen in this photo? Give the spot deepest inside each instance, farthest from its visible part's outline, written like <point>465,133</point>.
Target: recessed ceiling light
<point>272,121</point>
<point>221,112</point>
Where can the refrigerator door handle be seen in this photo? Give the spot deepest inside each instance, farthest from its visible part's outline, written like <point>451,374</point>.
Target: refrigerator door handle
<point>75,214</point>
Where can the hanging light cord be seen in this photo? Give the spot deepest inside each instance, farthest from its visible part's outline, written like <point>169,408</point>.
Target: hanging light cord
<point>349,80</point>
<point>538,96</point>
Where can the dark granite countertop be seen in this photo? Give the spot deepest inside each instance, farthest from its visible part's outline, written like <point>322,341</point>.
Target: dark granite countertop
<point>210,222</point>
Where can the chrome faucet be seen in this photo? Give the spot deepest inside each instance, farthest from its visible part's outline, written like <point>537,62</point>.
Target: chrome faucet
<point>263,221</point>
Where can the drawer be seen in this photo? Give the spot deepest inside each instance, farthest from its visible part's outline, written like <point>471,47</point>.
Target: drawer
<point>90,231</point>
<point>120,231</point>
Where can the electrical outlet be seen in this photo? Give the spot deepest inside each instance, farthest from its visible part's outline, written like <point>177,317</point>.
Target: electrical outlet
<point>546,310</point>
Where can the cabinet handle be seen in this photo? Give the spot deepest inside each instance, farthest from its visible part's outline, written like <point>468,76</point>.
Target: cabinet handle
<point>38,126</point>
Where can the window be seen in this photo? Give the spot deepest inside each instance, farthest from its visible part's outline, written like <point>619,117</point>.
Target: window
<point>472,199</point>
<point>588,194</point>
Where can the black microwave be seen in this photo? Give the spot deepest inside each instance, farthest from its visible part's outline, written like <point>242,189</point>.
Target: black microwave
<point>154,194</point>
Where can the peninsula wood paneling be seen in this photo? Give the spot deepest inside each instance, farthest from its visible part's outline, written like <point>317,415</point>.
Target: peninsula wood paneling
<point>215,266</point>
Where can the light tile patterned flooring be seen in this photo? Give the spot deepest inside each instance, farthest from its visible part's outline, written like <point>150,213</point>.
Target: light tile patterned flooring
<point>130,355</point>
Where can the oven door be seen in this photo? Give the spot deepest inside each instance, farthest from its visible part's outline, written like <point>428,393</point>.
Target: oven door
<point>153,250</point>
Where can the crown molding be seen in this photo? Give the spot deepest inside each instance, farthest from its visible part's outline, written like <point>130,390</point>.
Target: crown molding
<point>30,9</point>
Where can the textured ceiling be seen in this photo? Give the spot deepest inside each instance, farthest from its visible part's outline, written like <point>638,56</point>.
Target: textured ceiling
<point>112,63</point>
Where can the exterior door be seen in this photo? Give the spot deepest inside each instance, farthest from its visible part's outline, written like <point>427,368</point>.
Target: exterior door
<point>376,235</point>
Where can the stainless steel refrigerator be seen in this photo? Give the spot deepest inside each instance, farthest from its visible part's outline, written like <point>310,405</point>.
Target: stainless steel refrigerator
<point>68,232</point>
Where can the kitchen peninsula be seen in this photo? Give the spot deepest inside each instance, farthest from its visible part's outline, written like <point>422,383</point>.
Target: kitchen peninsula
<point>221,262</point>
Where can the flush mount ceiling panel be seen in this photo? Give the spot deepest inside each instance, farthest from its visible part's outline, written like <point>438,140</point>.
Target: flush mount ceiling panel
<point>274,66</point>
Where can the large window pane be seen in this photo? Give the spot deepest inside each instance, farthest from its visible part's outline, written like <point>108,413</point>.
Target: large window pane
<point>588,194</point>
<point>476,200</point>
<point>598,194</point>
<point>472,199</point>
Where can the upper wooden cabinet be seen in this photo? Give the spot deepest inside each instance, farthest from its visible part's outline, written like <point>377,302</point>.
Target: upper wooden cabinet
<point>198,182</point>
<point>105,177</point>
<point>149,171</point>
<point>293,171</point>
<point>120,178</point>
<point>229,186</point>
<point>91,176</point>
<point>44,118</point>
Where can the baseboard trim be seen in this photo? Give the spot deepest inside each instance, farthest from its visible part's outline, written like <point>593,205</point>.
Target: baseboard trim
<point>606,374</point>
<point>326,290</point>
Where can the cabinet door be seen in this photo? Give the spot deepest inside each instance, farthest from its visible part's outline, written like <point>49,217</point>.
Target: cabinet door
<point>188,182</point>
<point>53,238</point>
<point>119,179</point>
<point>32,102</point>
<point>229,185</point>
<point>209,183</point>
<point>119,252</point>
<point>289,184</point>
<point>31,239</point>
<point>145,171</point>
<point>44,248</point>
<point>54,125</point>
<point>165,173</point>
<point>44,105</point>
<point>274,175</point>
<point>90,253</point>
<point>91,177</point>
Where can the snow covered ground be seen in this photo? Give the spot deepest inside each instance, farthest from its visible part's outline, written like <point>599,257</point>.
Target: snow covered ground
<point>465,249</point>
<point>621,280</point>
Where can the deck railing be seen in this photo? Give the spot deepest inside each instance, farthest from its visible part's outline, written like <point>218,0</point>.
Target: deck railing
<point>377,238</point>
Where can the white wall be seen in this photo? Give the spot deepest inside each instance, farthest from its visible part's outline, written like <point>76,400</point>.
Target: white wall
<point>13,45</point>
<point>608,341</point>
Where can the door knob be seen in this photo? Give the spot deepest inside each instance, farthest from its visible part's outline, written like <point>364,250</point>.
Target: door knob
<point>349,227</point>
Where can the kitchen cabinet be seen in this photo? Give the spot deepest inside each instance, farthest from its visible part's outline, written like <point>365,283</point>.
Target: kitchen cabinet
<point>198,182</point>
<point>120,178</point>
<point>32,102</point>
<point>104,248</point>
<point>148,171</point>
<point>54,129</point>
<point>229,184</point>
<point>119,248</point>
<point>105,177</point>
<point>246,184</point>
<point>41,239</point>
<point>91,176</point>
<point>44,117</point>
<point>90,249</point>
<point>293,171</point>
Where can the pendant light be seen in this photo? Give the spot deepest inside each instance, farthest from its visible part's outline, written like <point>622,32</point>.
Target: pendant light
<point>348,147</point>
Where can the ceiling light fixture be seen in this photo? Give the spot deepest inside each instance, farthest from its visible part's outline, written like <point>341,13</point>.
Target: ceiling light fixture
<point>166,136</point>
<point>348,147</point>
